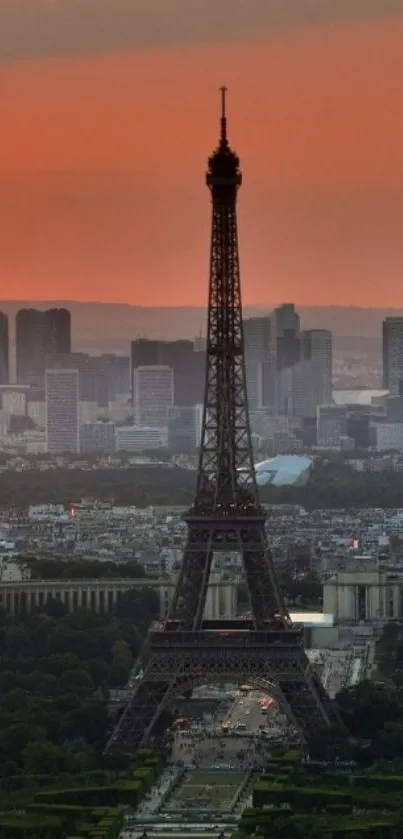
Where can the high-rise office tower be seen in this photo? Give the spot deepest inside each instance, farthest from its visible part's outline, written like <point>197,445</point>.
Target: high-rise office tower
<point>316,348</point>
<point>4,350</point>
<point>145,353</point>
<point>187,363</point>
<point>86,366</point>
<point>392,352</point>
<point>102,379</point>
<point>40,335</point>
<point>30,354</point>
<point>57,331</point>
<point>287,351</point>
<point>153,389</point>
<point>307,390</point>
<point>62,411</point>
<point>258,361</point>
<point>286,335</point>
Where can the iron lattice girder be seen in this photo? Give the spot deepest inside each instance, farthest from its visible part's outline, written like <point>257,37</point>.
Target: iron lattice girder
<point>226,452</point>
<point>273,660</point>
<point>234,531</point>
<point>226,515</point>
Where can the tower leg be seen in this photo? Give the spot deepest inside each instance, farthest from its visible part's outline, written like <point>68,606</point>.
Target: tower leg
<point>273,661</point>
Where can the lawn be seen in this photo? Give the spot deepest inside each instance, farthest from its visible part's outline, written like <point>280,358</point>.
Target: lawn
<point>204,790</point>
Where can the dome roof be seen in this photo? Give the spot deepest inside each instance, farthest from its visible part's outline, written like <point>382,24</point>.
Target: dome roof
<point>284,470</point>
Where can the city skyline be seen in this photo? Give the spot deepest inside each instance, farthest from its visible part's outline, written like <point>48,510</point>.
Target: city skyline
<point>91,202</point>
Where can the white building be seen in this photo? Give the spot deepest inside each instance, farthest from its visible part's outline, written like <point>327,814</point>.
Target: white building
<point>134,438</point>
<point>97,436</point>
<point>62,411</point>
<point>388,435</point>
<point>153,393</point>
<point>366,594</point>
<point>15,402</point>
<point>37,411</point>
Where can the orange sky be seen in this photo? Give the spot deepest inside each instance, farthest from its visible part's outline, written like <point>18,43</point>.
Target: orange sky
<point>102,164</point>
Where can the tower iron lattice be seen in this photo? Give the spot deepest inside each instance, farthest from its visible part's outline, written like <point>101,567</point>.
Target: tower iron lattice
<point>266,651</point>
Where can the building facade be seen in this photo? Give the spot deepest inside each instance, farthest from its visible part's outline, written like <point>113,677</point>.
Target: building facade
<point>259,362</point>
<point>331,425</point>
<point>62,411</point>
<point>102,595</point>
<point>4,350</point>
<point>316,348</point>
<point>153,389</point>
<point>182,430</point>
<point>138,439</point>
<point>364,595</point>
<point>186,359</point>
<point>98,436</point>
<point>287,352</point>
<point>392,355</point>
<point>40,335</point>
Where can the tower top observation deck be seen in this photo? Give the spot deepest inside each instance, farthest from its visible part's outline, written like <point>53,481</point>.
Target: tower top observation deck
<point>223,165</point>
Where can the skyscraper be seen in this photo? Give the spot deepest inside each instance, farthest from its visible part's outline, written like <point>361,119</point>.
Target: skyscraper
<point>187,363</point>
<point>286,334</point>
<point>153,388</point>
<point>392,352</point>
<point>287,351</point>
<point>57,332</point>
<point>258,361</point>
<point>62,411</point>
<point>4,350</point>
<point>39,336</point>
<point>316,348</point>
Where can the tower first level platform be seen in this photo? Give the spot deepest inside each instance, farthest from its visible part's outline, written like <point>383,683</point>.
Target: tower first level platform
<point>271,659</point>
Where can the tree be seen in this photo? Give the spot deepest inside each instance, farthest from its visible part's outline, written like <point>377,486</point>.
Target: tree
<point>77,681</point>
<point>14,739</point>
<point>121,655</point>
<point>41,757</point>
<point>139,607</point>
<point>63,640</point>
<point>54,680</point>
<point>55,608</point>
<point>16,700</point>
<point>387,743</point>
<point>90,722</point>
<point>331,744</point>
<point>368,706</point>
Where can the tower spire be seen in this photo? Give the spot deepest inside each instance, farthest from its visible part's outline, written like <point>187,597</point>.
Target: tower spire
<point>223,133</point>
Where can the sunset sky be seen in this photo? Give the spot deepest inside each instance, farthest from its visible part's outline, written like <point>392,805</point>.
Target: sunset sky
<point>109,109</point>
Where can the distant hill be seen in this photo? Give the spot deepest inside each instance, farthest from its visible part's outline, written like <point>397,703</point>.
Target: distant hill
<point>108,327</point>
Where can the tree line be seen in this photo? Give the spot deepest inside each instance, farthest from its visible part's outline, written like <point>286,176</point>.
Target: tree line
<point>331,485</point>
<point>56,671</point>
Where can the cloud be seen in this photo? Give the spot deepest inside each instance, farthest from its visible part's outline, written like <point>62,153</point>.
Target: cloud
<point>44,28</point>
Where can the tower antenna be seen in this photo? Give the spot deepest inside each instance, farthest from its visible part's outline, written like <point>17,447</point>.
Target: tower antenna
<point>223,136</point>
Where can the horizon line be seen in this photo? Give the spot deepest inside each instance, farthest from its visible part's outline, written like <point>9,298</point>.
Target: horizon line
<point>281,302</point>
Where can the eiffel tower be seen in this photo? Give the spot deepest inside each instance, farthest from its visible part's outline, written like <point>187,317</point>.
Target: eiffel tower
<point>266,651</point>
